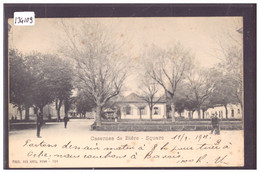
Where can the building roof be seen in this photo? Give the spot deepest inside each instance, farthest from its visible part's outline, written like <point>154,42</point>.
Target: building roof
<point>134,98</point>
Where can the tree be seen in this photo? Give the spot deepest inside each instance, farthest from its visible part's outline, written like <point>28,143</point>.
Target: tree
<point>148,91</point>
<point>200,86</point>
<point>84,103</point>
<point>60,74</point>
<point>52,78</point>
<point>168,69</point>
<point>180,99</point>
<point>42,88</point>
<point>231,44</point>
<point>180,105</point>
<point>140,106</point>
<point>232,67</point>
<point>100,68</point>
<point>190,105</point>
<point>223,91</point>
<point>21,81</point>
<point>68,102</point>
<point>38,79</point>
<point>231,47</point>
<point>16,69</point>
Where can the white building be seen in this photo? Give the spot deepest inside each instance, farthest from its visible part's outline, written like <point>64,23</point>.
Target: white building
<point>47,110</point>
<point>132,106</point>
<point>13,112</point>
<point>234,111</point>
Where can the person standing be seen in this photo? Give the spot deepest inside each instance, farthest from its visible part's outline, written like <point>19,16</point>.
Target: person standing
<point>66,119</point>
<point>217,131</point>
<point>215,124</point>
<point>39,123</point>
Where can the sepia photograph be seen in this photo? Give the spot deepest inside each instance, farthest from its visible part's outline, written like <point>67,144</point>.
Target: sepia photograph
<point>126,92</point>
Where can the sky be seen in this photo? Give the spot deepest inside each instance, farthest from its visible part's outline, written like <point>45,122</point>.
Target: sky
<point>200,35</point>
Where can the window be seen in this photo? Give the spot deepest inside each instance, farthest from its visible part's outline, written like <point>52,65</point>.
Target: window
<point>155,111</point>
<point>128,110</point>
<point>238,111</point>
<point>232,113</point>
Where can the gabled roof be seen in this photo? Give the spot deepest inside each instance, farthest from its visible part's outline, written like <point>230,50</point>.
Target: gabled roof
<point>134,98</point>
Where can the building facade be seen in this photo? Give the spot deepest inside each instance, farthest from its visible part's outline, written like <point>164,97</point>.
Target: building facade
<point>133,107</point>
<point>49,111</point>
<point>233,111</point>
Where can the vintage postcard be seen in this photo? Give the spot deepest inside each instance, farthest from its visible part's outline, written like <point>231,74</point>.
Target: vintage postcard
<point>125,92</point>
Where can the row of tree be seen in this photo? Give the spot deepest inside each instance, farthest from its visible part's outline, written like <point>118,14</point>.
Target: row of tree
<point>37,80</point>
<point>94,64</point>
<point>90,63</point>
<point>188,86</point>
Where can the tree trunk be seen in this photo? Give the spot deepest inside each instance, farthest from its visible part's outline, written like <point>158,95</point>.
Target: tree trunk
<point>58,106</point>
<point>66,113</point>
<point>66,107</point>
<point>41,109</point>
<point>192,114</point>
<point>98,115</point>
<point>58,114</point>
<point>20,112</point>
<point>198,113</point>
<point>226,111</point>
<point>167,114</point>
<point>151,113</point>
<point>189,115</point>
<point>27,109</point>
<point>203,116</point>
<point>173,112</point>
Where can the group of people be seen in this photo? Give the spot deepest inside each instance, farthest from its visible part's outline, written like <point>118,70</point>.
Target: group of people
<point>40,122</point>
